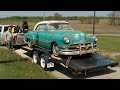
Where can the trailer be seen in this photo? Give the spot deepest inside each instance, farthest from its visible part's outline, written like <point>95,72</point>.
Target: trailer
<point>77,64</point>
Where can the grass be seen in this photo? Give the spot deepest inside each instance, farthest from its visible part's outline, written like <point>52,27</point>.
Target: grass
<point>110,46</point>
<point>101,28</point>
<point>117,58</point>
<point>12,66</point>
<point>8,55</point>
<point>108,43</point>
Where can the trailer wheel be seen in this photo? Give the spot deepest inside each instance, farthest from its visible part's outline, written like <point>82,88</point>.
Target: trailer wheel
<point>35,57</point>
<point>43,61</point>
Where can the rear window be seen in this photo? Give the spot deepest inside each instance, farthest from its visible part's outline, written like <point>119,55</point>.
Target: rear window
<point>6,28</point>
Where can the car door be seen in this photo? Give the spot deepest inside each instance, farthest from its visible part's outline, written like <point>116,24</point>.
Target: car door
<point>41,30</point>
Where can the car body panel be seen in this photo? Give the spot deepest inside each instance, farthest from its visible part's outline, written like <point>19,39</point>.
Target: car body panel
<point>45,38</point>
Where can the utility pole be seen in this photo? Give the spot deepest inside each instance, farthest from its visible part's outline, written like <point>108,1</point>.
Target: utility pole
<point>44,15</point>
<point>94,23</point>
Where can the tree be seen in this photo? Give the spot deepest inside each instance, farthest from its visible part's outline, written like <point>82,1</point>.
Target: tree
<point>114,18</point>
<point>57,16</point>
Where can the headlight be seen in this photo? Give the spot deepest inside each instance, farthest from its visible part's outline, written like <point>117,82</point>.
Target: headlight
<point>66,39</point>
<point>96,39</point>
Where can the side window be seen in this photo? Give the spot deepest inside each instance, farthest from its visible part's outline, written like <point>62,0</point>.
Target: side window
<point>0,28</point>
<point>5,29</point>
<point>42,27</point>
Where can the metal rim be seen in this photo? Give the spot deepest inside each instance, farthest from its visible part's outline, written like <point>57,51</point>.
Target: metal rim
<point>34,58</point>
<point>29,44</point>
<point>42,62</point>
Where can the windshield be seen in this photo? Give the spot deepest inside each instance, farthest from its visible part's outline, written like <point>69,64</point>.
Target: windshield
<point>59,26</point>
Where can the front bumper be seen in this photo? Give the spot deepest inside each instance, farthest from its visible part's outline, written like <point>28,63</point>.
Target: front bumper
<point>77,52</point>
<point>79,49</point>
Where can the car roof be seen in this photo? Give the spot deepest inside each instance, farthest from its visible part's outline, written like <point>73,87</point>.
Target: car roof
<point>51,22</point>
<point>7,25</point>
<point>48,22</point>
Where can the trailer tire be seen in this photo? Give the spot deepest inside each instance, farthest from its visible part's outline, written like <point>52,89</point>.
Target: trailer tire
<point>43,61</point>
<point>35,57</point>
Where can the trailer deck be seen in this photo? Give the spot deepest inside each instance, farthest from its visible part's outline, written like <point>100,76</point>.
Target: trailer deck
<point>81,64</point>
<point>85,64</point>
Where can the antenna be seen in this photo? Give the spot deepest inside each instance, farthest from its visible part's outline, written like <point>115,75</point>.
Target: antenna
<point>94,23</point>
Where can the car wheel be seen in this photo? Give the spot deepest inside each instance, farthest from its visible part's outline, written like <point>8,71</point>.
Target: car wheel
<point>55,49</point>
<point>43,61</point>
<point>35,57</point>
<point>29,44</point>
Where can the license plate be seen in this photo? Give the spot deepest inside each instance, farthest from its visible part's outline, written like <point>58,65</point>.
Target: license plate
<point>49,65</point>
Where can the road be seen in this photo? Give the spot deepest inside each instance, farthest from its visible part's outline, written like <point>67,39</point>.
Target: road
<point>107,34</point>
<point>62,73</point>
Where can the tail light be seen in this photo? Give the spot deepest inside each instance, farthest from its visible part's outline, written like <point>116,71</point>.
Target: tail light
<point>15,37</point>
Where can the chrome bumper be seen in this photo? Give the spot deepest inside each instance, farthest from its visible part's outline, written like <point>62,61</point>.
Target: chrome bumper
<point>77,52</point>
<point>79,49</point>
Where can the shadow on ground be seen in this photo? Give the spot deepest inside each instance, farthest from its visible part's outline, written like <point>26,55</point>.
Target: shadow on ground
<point>68,73</point>
<point>7,61</point>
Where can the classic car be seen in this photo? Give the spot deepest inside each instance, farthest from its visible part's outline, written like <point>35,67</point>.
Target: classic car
<point>60,39</point>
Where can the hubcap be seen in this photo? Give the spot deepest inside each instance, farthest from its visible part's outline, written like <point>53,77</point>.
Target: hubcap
<point>34,58</point>
<point>55,50</point>
<point>29,44</point>
<point>42,62</point>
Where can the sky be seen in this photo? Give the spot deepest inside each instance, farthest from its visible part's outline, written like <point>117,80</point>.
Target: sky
<point>4,14</point>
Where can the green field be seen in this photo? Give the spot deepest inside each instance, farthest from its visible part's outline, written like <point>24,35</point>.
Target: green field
<point>110,44</point>
<point>12,66</point>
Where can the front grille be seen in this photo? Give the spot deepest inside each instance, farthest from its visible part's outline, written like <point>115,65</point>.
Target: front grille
<point>83,46</point>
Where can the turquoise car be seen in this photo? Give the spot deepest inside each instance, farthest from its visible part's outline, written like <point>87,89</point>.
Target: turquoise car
<point>60,39</point>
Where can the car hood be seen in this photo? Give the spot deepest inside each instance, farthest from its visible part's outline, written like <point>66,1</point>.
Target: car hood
<point>75,36</point>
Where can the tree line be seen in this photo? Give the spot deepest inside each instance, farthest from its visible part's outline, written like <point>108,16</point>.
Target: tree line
<point>113,16</point>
